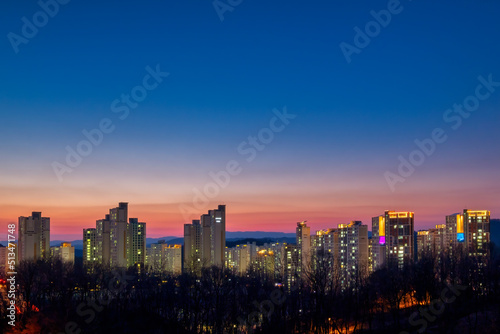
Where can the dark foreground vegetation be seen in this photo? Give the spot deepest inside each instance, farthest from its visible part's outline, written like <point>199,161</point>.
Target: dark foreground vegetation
<point>434,295</point>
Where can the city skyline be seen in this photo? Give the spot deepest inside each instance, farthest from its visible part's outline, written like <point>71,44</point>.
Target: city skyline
<point>284,226</point>
<point>118,241</point>
<point>342,260</point>
<point>290,227</point>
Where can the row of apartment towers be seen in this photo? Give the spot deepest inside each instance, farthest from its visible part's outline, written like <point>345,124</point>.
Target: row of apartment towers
<point>352,254</point>
<point>349,248</point>
<point>121,242</point>
<point>34,242</point>
<point>116,240</point>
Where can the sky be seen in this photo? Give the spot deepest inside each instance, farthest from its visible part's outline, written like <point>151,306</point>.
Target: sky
<point>303,110</point>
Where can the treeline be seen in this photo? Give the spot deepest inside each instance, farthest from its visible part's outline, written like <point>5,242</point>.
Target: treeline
<point>436,294</point>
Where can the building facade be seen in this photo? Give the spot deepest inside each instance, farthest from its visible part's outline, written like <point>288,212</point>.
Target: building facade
<point>378,244</point>
<point>399,237</point>
<point>205,240</point>
<point>136,241</point>
<point>469,230</point>
<point>291,257</point>
<point>353,253</point>
<point>303,242</point>
<point>65,252</point>
<point>237,259</point>
<point>116,241</point>
<point>118,233</point>
<point>477,231</point>
<point>34,237</point>
<point>103,240</point>
<point>162,257</point>
<point>431,242</point>
<point>192,246</point>
<point>90,253</point>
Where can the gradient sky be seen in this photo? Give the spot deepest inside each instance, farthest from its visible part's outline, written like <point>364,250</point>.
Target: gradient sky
<point>226,77</point>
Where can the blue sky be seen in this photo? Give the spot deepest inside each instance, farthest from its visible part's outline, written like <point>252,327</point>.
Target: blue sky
<point>353,119</point>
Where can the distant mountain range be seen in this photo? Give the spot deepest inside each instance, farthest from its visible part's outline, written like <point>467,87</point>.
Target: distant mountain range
<point>230,236</point>
<point>233,238</point>
<point>78,244</point>
<point>258,241</point>
<point>258,235</point>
